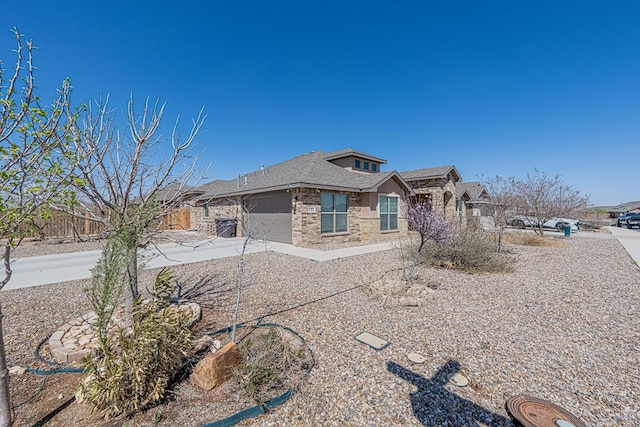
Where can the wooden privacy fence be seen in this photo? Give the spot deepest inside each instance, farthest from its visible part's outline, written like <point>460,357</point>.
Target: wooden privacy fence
<point>177,219</point>
<point>64,225</point>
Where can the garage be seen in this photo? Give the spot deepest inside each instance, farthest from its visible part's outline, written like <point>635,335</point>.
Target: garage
<point>268,216</point>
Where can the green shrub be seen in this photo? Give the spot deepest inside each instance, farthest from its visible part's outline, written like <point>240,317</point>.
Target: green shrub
<point>472,251</point>
<point>134,368</point>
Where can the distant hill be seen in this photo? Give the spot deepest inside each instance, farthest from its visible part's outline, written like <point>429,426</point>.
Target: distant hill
<point>617,210</point>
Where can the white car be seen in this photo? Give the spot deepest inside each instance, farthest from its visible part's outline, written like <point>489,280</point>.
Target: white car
<point>522,221</point>
<point>559,223</point>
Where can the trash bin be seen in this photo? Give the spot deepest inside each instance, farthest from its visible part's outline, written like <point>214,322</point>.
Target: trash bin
<point>567,230</point>
<point>226,227</point>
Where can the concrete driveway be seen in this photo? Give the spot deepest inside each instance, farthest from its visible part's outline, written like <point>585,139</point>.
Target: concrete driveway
<point>629,239</point>
<point>44,270</point>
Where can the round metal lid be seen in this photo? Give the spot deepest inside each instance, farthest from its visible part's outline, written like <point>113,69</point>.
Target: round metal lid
<point>533,412</point>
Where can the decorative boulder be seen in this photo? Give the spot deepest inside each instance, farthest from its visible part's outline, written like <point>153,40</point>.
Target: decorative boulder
<point>216,368</point>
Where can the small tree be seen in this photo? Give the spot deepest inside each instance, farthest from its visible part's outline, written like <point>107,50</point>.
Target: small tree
<point>430,225</point>
<point>503,201</point>
<point>31,168</point>
<point>125,182</point>
<point>547,197</point>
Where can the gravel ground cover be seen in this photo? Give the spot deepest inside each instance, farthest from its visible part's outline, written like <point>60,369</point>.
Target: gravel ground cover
<point>565,326</point>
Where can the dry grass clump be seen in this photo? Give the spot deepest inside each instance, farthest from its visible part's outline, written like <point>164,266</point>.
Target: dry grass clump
<point>531,239</point>
<point>272,363</point>
<point>472,251</point>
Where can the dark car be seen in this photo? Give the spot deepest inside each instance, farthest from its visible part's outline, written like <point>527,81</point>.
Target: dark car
<point>621,220</point>
<point>632,220</point>
<point>629,220</point>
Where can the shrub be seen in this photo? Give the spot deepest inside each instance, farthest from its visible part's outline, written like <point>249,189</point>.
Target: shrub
<point>472,251</point>
<point>133,369</point>
<point>133,365</point>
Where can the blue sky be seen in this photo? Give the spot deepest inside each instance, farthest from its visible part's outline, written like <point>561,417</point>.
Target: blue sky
<point>493,87</point>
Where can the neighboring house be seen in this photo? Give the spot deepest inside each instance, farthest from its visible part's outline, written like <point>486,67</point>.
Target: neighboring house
<point>618,211</point>
<point>437,186</point>
<point>319,197</point>
<point>474,202</point>
<point>474,197</point>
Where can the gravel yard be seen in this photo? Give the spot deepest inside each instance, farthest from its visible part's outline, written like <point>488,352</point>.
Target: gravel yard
<point>564,327</point>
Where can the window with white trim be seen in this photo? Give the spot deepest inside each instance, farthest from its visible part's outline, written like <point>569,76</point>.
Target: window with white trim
<point>388,213</point>
<point>333,215</point>
<point>205,212</point>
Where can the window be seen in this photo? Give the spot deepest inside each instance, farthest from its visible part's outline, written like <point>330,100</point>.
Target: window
<point>374,167</point>
<point>333,217</point>
<point>206,210</point>
<point>357,164</point>
<point>366,166</point>
<point>388,213</point>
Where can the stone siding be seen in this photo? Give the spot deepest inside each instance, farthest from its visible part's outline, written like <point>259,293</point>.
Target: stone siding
<point>224,208</point>
<point>306,219</point>
<point>439,190</point>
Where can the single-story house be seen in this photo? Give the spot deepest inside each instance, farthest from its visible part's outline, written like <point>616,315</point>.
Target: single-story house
<point>474,202</point>
<point>321,197</point>
<point>618,211</point>
<point>474,197</point>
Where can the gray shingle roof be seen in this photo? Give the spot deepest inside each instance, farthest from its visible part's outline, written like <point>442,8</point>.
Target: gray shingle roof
<point>173,192</point>
<point>351,152</point>
<point>473,189</point>
<point>429,173</point>
<point>309,170</point>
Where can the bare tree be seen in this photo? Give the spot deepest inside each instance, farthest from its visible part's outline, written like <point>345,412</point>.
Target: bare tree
<point>503,201</point>
<point>32,170</point>
<point>546,197</point>
<point>430,225</point>
<point>130,181</point>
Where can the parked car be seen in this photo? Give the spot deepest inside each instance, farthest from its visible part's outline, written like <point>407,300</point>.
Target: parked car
<point>522,221</point>
<point>629,220</point>
<point>559,223</point>
<point>621,220</point>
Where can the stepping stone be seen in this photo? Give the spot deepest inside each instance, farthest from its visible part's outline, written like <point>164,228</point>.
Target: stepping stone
<point>458,379</point>
<point>372,341</point>
<point>416,358</point>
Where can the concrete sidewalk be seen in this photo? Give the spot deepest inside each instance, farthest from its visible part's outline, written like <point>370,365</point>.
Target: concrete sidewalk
<point>629,239</point>
<point>44,270</point>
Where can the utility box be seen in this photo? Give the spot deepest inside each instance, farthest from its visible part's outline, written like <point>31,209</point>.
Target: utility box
<point>567,230</point>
